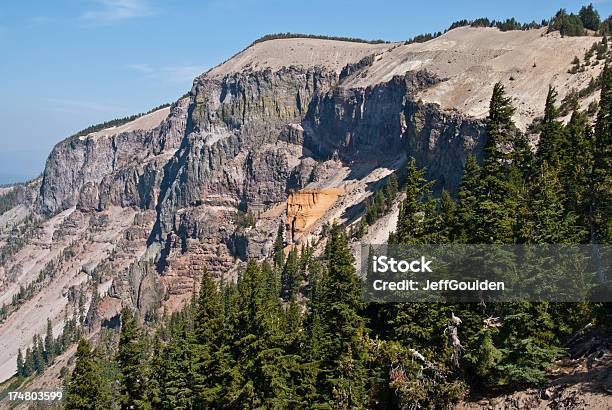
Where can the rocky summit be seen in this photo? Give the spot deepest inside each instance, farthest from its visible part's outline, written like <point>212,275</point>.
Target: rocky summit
<point>291,132</point>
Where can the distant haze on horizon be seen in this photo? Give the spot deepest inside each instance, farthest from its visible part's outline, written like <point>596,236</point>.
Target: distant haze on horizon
<point>21,166</point>
<point>73,63</point>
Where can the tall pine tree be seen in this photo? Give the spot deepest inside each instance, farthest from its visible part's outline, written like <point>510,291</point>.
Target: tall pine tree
<point>279,245</point>
<point>342,349</point>
<point>551,135</point>
<point>49,343</point>
<point>601,193</point>
<point>412,223</point>
<point>208,326</point>
<point>130,358</point>
<point>83,390</point>
<point>496,201</point>
<point>20,364</point>
<point>468,214</point>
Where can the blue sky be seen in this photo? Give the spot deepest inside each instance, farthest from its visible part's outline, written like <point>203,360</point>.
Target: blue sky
<point>67,64</point>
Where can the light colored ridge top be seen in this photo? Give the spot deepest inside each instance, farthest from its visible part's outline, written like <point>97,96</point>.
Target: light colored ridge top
<point>471,60</point>
<point>305,52</point>
<point>5,190</point>
<point>144,123</point>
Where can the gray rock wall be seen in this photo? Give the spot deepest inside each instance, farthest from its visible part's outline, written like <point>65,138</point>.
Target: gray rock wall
<point>241,142</point>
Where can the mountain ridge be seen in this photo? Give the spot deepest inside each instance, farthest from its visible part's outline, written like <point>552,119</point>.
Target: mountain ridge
<point>135,213</point>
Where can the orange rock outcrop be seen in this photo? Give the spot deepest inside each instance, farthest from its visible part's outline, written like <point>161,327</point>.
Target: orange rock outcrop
<point>305,207</point>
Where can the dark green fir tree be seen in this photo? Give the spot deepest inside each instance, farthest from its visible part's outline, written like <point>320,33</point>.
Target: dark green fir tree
<point>130,358</point>
<point>83,390</point>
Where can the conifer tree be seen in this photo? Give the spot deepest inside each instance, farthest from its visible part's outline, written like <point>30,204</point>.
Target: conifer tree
<point>292,325</point>
<point>526,341</point>
<point>279,245</point>
<point>28,364</point>
<point>448,218</point>
<point>551,136</point>
<point>272,279</point>
<point>41,354</point>
<point>156,374</point>
<point>315,335</point>
<point>83,390</point>
<point>228,292</point>
<point>576,165</point>
<point>411,223</point>
<point>252,325</point>
<point>589,17</point>
<point>129,359</point>
<point>370,212</point>
<point>315,268</point>
<point>38,357</point>
<point>500,130</point>
<point>522,159</point>
<point>290,278</point>
<point>497,202</point>
<point>431,221</point>
<point>314,371</point>
<point>485,357</point>
<point>379,203</point>
<point>209,311</point>
<point>391,189</point>
<point>342,350</point>
<point>208,326</point>
<point>469,194</point>
<point>179,389</point>
<point>420,326</point>
<point>305,259</point>
<point>544,218</point>
<point>362,228</point>
<point>50,352</point>
<point>601,192</point>
<point>421,221</point>
<point>35,356</point>
<point>20,364</point>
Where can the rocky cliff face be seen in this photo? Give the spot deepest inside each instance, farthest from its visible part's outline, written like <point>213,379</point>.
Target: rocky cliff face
<point>237,150</point>
<point>378,122</point>
<point>98,171</point>
<point>241,142</point>
<point>250,135</point>
<point>140,210</point>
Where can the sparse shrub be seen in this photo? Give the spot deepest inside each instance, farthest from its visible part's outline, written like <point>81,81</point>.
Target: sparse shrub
<point>575,66</point>
<point>244,219</point>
